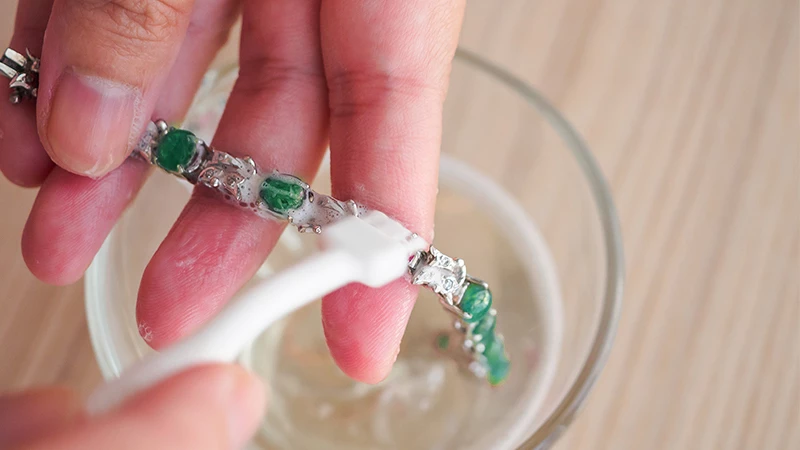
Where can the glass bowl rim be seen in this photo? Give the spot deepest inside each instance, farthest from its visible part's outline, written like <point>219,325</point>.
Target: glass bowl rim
<point>557,421</point>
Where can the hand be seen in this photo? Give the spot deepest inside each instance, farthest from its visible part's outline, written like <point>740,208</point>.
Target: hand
<point>368,76</point>
<point>205,408</point>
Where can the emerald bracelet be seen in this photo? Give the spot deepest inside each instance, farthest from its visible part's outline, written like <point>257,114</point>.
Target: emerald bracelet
<point>279,196</point>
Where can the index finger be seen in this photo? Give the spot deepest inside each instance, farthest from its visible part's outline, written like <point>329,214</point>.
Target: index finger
<point>387,63</point>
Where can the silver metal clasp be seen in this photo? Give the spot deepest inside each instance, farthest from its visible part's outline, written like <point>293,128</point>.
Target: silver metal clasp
<point>23,71</point>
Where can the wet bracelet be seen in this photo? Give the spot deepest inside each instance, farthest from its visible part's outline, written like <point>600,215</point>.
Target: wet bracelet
<point>278,196</point>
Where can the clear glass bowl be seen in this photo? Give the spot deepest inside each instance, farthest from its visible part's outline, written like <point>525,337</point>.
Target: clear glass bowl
<point>558,302</point>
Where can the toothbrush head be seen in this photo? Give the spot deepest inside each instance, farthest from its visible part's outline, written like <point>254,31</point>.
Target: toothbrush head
<point>379,245</point>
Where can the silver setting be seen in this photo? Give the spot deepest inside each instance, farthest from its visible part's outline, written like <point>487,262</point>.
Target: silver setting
<point>441,273</point>
<point>16,57</point>
<point>201,154</point>
<point>474,280</point>
<point>225,173</point>
<point>162,126</point>
<point>354,209</point>
<point>144,148</point>
<point>321,210</point>
<point>23,71</point>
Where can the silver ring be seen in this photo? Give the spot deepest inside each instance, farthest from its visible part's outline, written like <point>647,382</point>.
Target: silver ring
<point>279,196</point>
<point>23,71</point>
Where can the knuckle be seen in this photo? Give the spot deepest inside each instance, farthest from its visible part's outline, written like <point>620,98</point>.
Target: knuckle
<point>269,74</point>
<point>355,93</point>
<point>138,20</point>
<point>215,32</point>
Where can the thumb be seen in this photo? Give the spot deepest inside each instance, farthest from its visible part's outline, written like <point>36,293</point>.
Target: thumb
<point>215,407</point>
<point>103,66</point>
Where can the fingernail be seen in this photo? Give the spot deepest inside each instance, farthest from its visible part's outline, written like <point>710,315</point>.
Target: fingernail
<point>89,124</point>
<point>245,408</point>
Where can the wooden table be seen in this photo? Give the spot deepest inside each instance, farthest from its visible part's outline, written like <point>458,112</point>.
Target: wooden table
<point>692,109</point>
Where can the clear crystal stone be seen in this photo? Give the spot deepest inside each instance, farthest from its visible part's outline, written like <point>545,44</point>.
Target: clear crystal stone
<point>441,273</point>
<point>449,284</point>
<point>144,148</point>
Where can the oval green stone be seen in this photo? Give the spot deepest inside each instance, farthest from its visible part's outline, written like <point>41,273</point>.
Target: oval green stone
<point>175,150</point>
<point>485,328</point>
<point>282,195</point>
<point>476,301</point>
<point>497,362</point>
<point>442,341</point>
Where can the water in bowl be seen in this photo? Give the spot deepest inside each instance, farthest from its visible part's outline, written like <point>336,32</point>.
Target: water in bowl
<point>429,400</point>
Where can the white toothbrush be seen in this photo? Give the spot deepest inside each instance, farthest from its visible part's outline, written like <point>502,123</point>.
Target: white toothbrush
<point>372,249</point>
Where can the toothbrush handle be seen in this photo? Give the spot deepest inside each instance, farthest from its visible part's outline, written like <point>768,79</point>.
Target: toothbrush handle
<point>222,339</point>
<point>372,249</point>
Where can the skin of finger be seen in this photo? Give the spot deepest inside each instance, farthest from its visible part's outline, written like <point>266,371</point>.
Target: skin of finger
<point>214,407</point>
<point>102,72</point>
<point>58,251</point>
<point>22,158</point>
<point>277,114</point>
<point>208,31</point>
<point>72,216</point>
<point>36,412</point>
<point>387,64</point>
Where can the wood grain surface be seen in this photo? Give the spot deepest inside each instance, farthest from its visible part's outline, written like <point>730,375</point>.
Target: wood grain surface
<point>691,107</point>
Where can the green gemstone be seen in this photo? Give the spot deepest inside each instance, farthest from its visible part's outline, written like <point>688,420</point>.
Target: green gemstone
<point>176,150</point>
<point>485,328</point>
<point>442,341</point>
<point>282,194</point>
<point>497,362</point>
<point>476,302</point>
